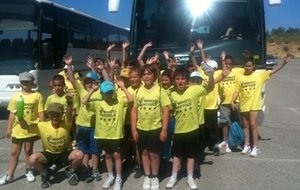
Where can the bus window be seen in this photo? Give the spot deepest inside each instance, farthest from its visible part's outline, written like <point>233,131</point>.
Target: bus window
<point>80,31</point>
<point>99,39</point>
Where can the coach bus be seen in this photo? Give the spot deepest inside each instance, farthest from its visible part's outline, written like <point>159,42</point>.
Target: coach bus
<point>223,25</point>
<point>35,34</point>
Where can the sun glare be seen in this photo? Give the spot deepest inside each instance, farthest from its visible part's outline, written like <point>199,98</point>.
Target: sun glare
<point>197,6</point>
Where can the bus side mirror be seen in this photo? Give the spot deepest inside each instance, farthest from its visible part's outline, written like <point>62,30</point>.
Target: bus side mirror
<point>274,2</point>
<point>113,6</point>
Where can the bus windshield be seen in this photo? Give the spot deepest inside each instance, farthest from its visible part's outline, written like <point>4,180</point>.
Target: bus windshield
<point>18,39</point>
<point>223,25</point>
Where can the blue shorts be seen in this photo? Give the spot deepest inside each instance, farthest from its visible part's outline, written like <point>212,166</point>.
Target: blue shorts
<point>85,140</point>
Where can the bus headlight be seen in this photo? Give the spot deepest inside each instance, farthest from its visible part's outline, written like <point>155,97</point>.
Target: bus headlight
<point>13,86</point>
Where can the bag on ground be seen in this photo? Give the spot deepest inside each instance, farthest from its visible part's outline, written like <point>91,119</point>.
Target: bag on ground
<point>236,134</point>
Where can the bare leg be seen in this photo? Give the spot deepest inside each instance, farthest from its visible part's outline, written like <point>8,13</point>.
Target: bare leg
<point>14,158</point>
<point>28,150</point>
<point>246,125</point>
<point>146,162</point>
<point>253,127</point>
<point>95,161</point>
<point>154,162</point>
<point>118,162</point>
<point>190,165</point>
<point>109,162</point>
<point>176,164</point>
<point>76,158</point>
<point>38,160</point>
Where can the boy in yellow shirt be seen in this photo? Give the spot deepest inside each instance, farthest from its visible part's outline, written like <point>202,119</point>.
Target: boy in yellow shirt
<point>57,147</point>
<point>33,112</point>
<point>109,130</point>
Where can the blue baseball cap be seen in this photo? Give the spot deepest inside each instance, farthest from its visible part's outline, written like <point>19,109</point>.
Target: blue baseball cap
<point>90,75</point>
<point>107,86</point>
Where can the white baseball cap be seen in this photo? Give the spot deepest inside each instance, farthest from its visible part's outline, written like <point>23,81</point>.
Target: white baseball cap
<point>213,64</point>
<point>196,74</point>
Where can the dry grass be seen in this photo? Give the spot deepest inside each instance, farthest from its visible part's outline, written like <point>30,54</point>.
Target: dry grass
<point>280,45</point>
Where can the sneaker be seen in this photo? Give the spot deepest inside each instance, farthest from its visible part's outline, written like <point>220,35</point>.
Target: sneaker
<point>216,151</point>
<point>6,179</point>
<point>254,152</point>
<point>118,184</point>
<point>147,183</point>
<point>30,177</point>
<point>136,167</point>
<point>96,175</point>
<point>88,177</point>
<point>108,182</point>
<point>73,179</point>
<point>222,144</point>
<point>172,181</point>
<point>139,173</point>
<point>191,183</point>
<point>154,183</point>
<point>45,181</point>
<point>228,150</point>
<point>246,150</point>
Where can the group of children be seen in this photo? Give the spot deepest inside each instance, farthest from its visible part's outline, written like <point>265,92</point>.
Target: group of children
<point>129,111</point>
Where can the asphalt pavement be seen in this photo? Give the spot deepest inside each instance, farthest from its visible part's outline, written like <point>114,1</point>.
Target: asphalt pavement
<point>277,166</point>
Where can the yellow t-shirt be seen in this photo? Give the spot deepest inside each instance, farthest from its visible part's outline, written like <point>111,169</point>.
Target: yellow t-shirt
<point>211,100</point>
<point>33,105</point>
<point>86,118</point>
<point>227,85</point>
<point>109,118</point>
<point>149,103</point>
<point>201,103</point>
<point>186,108</point>
<point>121,94</point>
<point>249,88</point>
<point>54,140</point>
<point>62,100</point>
<point>70,88</point>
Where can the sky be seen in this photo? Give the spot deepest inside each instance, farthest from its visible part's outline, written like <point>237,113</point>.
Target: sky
<point>287,14</point>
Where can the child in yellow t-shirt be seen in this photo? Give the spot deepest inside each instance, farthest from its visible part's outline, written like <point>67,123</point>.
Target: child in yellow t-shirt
<point>58,84</point>
<point>86,121</point>
<point>248,89</point>
<point>33,112</point>
<point>56,141</point>
<point>149,123</point>
<point>185,103</point>
<point>109,130</point>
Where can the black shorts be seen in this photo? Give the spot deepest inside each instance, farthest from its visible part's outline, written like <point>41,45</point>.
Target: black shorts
<point>127,130</point>
<point>185,144</point>
<point>61,158</point>
<point>149,140</point>
<point>20,141</point>
<point>110,145</point>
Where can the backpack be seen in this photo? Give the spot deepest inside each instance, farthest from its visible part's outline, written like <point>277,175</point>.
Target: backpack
<point>236,134</point>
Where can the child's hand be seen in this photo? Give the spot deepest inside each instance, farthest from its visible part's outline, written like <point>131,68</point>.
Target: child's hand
<point>200,44</point>
<point>223,54</point>
<point>110,47</point>
<point>192,48</point>
<point>287,58</point>
<point>69,96</point>
<point>89,61</point>
<point>68,59</point>
<point>112,63</point>
<point>125,44</point>
<point>149,44</point>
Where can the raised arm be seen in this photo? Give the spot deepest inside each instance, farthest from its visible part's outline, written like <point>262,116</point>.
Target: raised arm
<point>193,58</point>
<point>287,58</point>
<point>87,97</point>
<point>124,54</point>
<point>69,113</point>
<point>68,61</point>
<point>225,71</point>
<point>142,53</point>
<point>111,70</point>
<point>200,46</point>
<point>120,83</point>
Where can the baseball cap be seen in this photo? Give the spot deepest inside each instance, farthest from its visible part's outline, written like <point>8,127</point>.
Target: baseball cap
<point>90,75</point>
<point>107,86</point>
<point>56,107</point>
<point>213,64</point>
<point>26,77</point>
<point>124,73</point>
<point>66,67</point>
<point>196,74</point>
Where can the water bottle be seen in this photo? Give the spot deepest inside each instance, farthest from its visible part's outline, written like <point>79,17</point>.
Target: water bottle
<point>20,107</point>
<point>205,67</point>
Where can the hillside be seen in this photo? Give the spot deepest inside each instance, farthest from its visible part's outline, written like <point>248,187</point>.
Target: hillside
<point>281,43</point>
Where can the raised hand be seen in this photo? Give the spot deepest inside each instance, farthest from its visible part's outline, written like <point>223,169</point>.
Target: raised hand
<point>149,44</point>
<point>69,96</point>
<point>89,61</point>
<point>112,63</point>
<point>223,54</point>
<point>287,58</point>
<point>192,48</point>
<point>110,47</point>
<point>200,44</point>
<point>68,59</point>
<point>166,54</point>
<point>125,44</point>
<point>150,60</point>
<point>246,53</point>
<point>120,83</point>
